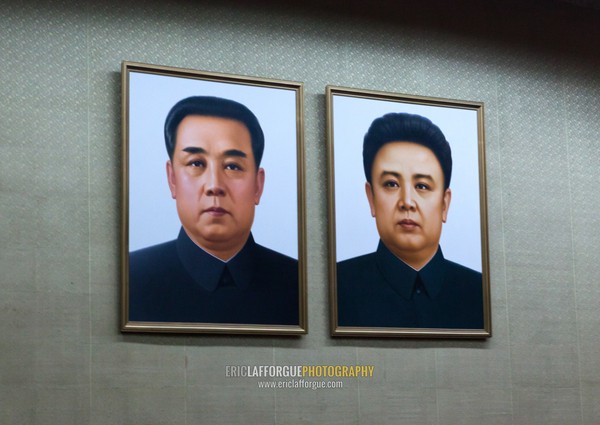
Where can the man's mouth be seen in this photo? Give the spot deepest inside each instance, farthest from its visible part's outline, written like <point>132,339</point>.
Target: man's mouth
<point>216,211</point>
<point>408,224</point>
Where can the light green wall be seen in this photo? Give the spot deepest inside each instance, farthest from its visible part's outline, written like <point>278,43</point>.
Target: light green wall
<point>62,358</point>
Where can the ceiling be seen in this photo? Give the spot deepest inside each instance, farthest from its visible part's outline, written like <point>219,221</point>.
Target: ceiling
<point>595,4</point>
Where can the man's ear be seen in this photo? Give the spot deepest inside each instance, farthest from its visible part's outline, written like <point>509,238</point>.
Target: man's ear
<point>446,204</point>
<point>171,179</point>
<point>370,197</point>
<point>260,185</point>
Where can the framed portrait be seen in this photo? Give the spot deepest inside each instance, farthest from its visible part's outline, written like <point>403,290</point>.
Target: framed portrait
<point>408,216</point>
<point>213,225</point>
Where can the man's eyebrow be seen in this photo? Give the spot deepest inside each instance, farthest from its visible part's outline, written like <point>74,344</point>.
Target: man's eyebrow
<point>416,176</point>
<point>230,152</point>
<point>194,149</point>
<point>392,173</point>
<point>424,176</point>
<point>235,152</point>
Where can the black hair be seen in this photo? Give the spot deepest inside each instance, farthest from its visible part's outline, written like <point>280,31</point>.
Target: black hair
<point>214,107</point>
<point>403,127</point>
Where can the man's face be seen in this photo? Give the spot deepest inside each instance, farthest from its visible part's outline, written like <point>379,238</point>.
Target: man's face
<point>408,200</point>
<point>215,183</point>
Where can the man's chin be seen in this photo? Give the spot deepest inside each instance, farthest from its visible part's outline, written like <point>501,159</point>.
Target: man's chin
<point>406,244</point>
<point>221,237</point>
<point>216,238</point>
<point>405,247</point>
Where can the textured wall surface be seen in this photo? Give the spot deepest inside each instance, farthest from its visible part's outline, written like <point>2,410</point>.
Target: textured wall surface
<point>62,357</point>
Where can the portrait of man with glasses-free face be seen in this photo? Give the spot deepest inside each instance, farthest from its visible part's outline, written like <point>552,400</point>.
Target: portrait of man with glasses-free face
<point>214,271</point>
<point>216,182</point>
<point>407,282</point>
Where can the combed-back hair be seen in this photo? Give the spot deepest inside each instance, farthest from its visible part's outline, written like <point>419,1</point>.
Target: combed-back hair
<point>214,107</point>
<point>403,127</point>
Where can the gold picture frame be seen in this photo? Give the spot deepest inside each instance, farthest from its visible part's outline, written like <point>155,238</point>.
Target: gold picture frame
<point>173,277</point>
<point>374,280</point>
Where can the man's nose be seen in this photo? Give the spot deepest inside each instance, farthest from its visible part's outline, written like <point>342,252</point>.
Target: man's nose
<point>406,201</point>
<point>214,184</point>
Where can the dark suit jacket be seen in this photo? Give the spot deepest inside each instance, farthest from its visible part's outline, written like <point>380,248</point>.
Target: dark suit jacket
<point>179,282</point>
<point>380,290</point>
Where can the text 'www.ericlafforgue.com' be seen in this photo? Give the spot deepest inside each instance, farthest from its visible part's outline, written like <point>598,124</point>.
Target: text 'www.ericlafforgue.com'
<point>300,384</point>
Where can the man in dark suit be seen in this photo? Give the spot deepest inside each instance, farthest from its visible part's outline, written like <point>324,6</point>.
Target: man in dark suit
<point>214,272</point>
<point>407,282</point>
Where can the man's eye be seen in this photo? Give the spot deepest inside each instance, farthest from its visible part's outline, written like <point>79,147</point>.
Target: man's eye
<point>233,167</point>
<point>197,163</point>
<point>390,183</point>
<point>422,186</point>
